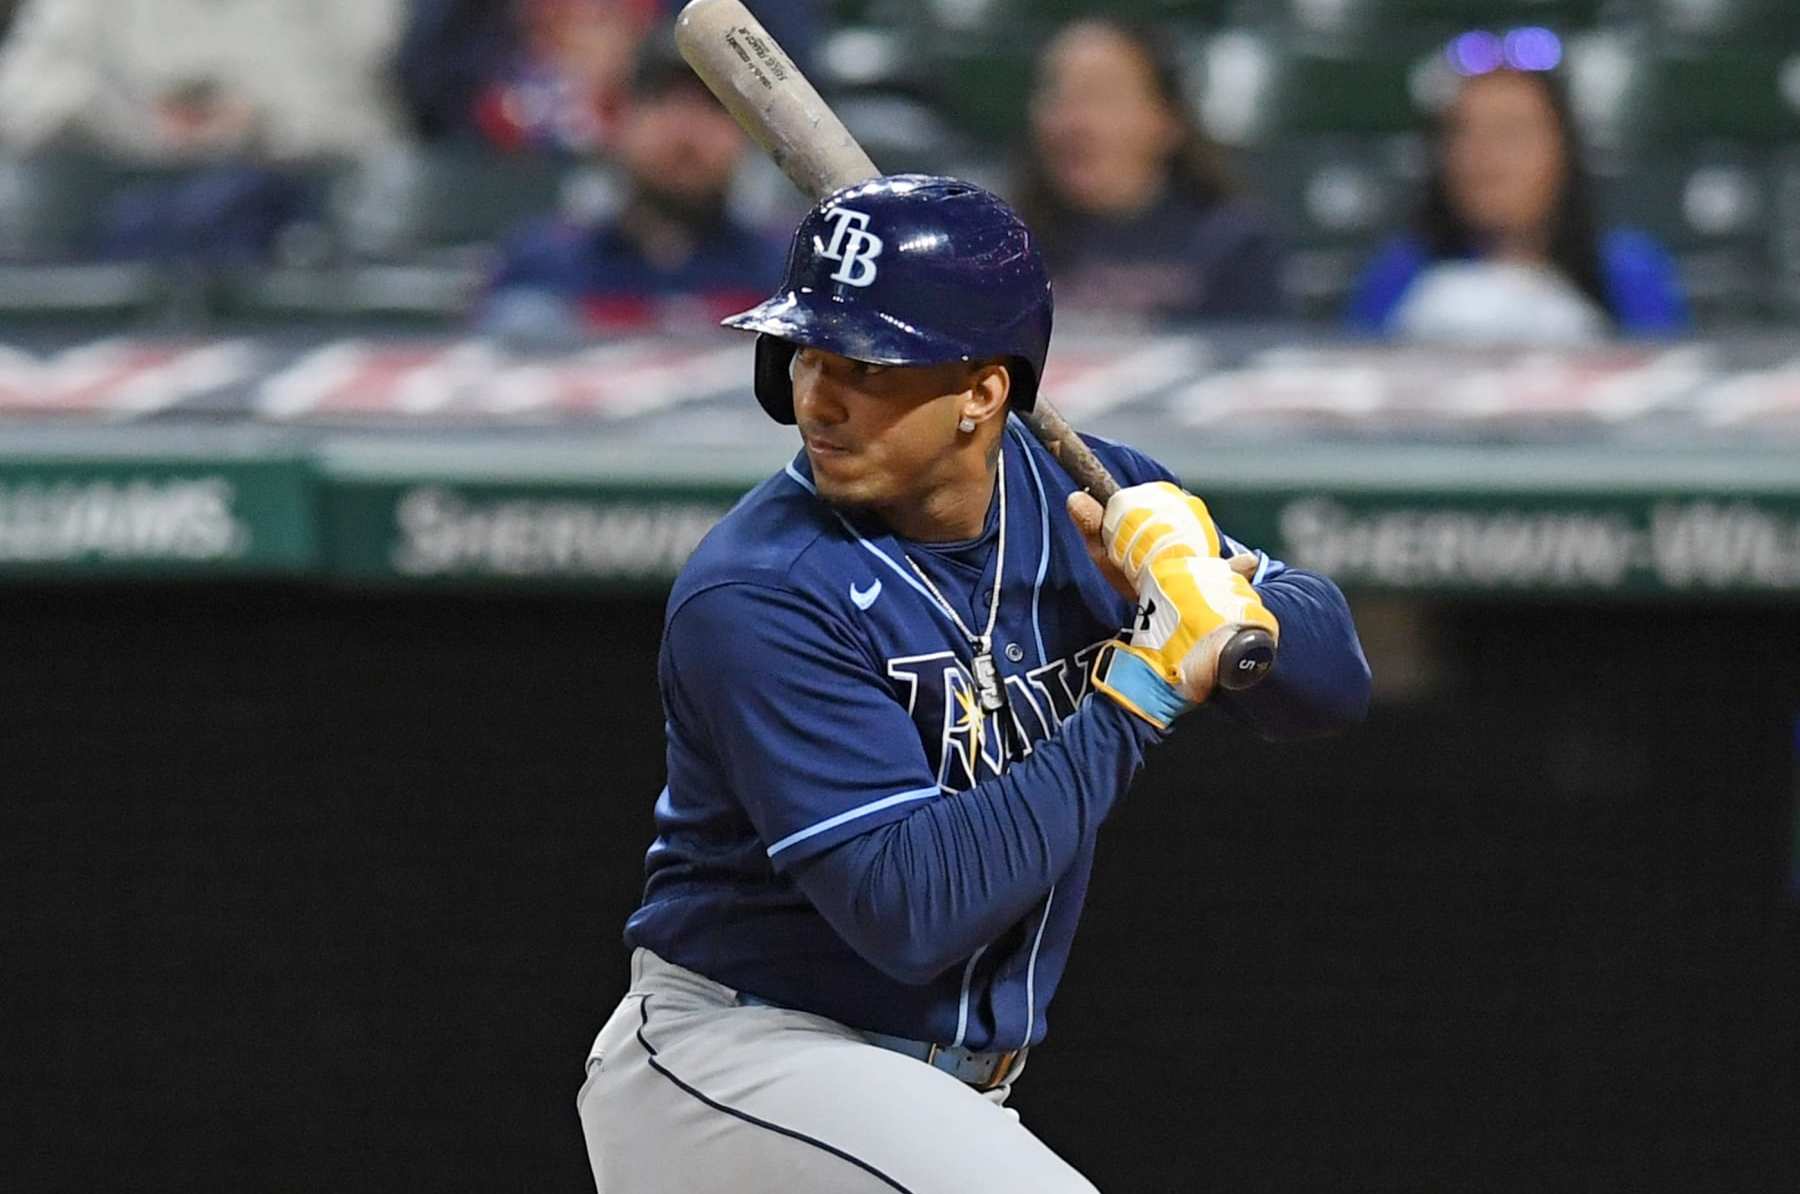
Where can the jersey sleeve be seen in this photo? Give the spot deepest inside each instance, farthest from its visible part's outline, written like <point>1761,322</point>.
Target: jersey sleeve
<point>1320,682</point>
<point>800,724</point>
<point>917,896</point>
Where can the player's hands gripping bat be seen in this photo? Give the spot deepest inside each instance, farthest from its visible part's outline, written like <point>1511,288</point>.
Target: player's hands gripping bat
<point>773,102</point>
<point>1162,540</point>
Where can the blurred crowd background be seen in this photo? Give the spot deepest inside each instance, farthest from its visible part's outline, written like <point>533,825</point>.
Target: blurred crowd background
<point>1550,171</point>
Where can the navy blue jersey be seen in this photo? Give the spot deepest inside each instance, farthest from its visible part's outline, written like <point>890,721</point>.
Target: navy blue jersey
<point>844,830</point>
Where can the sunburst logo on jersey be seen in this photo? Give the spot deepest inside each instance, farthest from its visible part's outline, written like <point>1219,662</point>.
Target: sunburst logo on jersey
<point>973,723</point>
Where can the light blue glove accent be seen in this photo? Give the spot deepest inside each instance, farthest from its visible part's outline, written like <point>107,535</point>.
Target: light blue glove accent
<point>1133,683</point>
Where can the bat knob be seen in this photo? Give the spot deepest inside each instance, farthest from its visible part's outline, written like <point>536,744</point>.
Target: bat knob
<point>1246,658</point>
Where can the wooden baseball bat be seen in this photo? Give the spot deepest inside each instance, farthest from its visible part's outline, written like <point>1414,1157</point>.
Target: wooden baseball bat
<point>781,111</point>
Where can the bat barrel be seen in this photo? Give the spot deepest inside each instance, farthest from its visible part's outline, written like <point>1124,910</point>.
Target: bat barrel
<point>771,100</point>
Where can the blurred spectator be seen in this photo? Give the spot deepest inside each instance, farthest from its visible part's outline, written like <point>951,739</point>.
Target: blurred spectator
<point>542,74</point>
<point>1505,248</point>
<point>1131,201</point>
<point>448,54</point>
<point>176,81</point>
<point>233,102</point>
<point>673,255</point>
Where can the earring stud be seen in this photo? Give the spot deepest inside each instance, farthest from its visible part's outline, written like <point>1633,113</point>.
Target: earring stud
<point>967,425</point>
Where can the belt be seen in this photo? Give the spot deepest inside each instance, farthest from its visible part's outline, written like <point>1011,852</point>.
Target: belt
<point>984,1071</point>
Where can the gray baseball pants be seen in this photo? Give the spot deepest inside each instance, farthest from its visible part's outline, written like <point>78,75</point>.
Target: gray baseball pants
<point>688,1092</point>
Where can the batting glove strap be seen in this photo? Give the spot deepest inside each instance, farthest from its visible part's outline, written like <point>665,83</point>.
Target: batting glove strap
<point>1132,679</point>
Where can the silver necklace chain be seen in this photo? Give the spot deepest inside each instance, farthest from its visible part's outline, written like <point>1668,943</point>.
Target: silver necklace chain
<point>987,682</point>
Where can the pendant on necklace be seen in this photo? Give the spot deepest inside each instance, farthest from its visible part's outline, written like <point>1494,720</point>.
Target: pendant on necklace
<point>987,682</point>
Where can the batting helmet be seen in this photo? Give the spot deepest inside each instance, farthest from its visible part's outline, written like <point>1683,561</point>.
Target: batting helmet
<point>906,269</point>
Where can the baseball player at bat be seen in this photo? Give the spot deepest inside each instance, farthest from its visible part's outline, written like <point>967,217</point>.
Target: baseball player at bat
<point>906,680</point>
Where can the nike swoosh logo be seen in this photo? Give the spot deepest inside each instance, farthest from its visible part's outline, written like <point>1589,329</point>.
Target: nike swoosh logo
<point>864,598</point>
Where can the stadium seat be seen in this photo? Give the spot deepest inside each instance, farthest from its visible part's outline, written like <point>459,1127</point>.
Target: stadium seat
<point>416,200</point>
<point>1335,198</point>
<point>1696,137</point>
<point>410,236</point>
<point>1347,95</point>
<point>1748,95</point>
<point>1785,226</point>
<point>48,206</point>
<point>1387,19</point>
<point>900,132</point>
<point>1713,207</point>
<point>886,93</point>
<point>890,14</point>
<point>1415,31</point>
<point>1725,22</point>
<point>47,203</point>
<point>1255,89</point>
<point>1714,126</point>
<point>1048,14</point>
<point>983,89</point>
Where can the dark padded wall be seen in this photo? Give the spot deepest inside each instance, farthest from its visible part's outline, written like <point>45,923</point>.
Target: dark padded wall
<point>314,891</point>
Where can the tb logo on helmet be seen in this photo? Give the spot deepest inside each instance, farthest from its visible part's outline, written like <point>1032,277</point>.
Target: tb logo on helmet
<point>852,246</point>
<point>929,269</point>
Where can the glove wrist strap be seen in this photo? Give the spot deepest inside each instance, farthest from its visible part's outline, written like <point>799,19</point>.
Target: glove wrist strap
<point>1134,683</point>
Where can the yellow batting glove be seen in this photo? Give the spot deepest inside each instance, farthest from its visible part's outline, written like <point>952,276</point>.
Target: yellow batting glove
<point>1190,602</point>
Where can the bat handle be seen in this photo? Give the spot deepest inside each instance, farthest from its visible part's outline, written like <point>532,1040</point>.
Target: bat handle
<point>1247,655</point>
<point>1071,451</point>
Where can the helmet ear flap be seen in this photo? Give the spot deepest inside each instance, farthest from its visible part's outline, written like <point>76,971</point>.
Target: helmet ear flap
<point>774,385</point>
<point>1023,395</point>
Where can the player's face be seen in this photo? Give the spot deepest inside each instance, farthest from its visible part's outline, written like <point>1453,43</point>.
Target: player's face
<point>878,436</point>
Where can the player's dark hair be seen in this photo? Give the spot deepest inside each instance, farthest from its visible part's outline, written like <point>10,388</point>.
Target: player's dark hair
<point>1197,171</point>
<point>1574,237</point>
